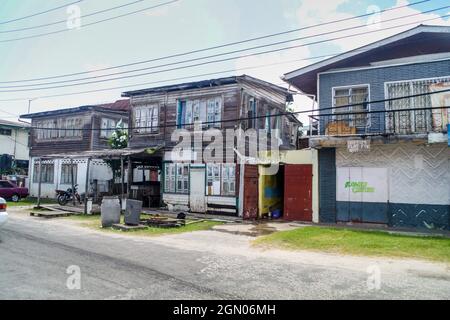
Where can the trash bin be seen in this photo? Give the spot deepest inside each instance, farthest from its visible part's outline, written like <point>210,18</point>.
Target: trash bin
<point>110,211</point>
<point>133,212</point>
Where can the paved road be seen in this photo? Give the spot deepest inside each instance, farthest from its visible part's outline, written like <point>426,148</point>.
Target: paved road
<point>35,255</point>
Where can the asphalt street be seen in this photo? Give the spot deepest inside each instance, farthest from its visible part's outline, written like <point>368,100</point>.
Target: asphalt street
<point>38,259</point>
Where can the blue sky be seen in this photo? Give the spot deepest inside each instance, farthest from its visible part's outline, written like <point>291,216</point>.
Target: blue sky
<point>178,27</point>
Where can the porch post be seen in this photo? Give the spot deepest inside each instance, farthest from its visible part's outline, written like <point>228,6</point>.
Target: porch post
<point>39,183</point>
<point>130,177</point>
<point>71,180</point>
<point>122,179</point>
<point>86,188</point>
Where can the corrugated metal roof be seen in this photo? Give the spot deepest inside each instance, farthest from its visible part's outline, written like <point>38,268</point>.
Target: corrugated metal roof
<point>14,124</point>
<point>205,84</point>
<point>117,106</point>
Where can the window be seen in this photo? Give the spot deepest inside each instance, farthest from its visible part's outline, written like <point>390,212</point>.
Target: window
<point>146,119</point>
<point>5,184</point>
<point>182,178</point>
<point>203,110</point>
<point>68,128</point>
<point>107,127</point>
<point>228,179</point>
<point>48,170</point>
<point>66,174</point>
<point>221,179</point>
<point>417,121</point>
<point>251,113</point>
<point>176,178</point>
<point>351,95</point>
<point>5,132</point>
<point>169,178</point>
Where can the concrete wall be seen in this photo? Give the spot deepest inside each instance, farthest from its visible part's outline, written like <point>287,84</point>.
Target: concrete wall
<point>98,171</point>
<point>418,183</point>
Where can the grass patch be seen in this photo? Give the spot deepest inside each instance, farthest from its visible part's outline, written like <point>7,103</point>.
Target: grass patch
<point>356,242</point>
<point>94,222</point>
<point>29,202</point>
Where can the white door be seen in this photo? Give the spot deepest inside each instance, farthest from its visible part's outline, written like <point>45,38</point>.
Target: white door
<point>197,200</point>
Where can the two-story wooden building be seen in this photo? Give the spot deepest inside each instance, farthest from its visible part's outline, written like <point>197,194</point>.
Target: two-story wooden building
<point>231,103</point>
<point>72,131</point>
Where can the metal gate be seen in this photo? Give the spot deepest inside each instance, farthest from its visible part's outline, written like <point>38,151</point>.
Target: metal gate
<point>298,192</point>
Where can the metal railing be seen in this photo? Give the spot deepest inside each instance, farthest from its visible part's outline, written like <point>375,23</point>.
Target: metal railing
<point>382,122</point>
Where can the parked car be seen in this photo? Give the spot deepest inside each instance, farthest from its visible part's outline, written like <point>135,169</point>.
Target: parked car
<point>10,191</point>
<point>3,213</point>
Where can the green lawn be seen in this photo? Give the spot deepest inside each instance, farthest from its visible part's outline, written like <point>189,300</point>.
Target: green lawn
<point>29,202</point>
<point>355,242</point>
<point>94,222</point>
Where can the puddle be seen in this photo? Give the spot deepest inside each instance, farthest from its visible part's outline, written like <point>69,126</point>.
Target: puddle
<point>262,230</point>
<point>250,230</point>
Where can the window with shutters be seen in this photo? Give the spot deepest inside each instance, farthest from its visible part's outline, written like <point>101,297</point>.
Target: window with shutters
<point>146,119</point>
<point>176,178</point>
<point>182,178</point>
<point>221,179</point>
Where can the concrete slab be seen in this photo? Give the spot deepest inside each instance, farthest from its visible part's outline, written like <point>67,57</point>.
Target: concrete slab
<point>124,227</point>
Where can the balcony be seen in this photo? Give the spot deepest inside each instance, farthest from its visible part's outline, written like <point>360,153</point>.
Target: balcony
<point>383,122</point>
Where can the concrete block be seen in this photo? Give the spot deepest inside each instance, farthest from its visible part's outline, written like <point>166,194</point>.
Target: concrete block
<point>110,211</point>
<point>133,212</point>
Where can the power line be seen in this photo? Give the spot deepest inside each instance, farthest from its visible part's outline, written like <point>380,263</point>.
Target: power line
<point>173,79</point>
<point>65,20</point>
<point>215,47</point>
<point>276,115</point>
<point>219,60</point>
<point>92,23</point>
<point>39,13</point>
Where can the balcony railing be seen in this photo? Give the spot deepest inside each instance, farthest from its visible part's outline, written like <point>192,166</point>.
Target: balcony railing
<point>382,122</point>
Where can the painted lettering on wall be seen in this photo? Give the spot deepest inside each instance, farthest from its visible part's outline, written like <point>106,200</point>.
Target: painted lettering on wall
<point>359,186</point>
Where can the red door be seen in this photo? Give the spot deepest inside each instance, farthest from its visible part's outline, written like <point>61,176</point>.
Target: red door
<point>298,192</point>
<point>250,192</point>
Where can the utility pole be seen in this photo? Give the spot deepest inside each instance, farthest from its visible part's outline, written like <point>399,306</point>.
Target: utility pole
<point>29,104</point>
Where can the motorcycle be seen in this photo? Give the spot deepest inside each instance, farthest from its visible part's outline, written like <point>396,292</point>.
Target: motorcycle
<point>64,197</point>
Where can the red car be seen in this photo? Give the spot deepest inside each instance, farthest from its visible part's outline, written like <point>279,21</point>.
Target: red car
<point>9,190</point>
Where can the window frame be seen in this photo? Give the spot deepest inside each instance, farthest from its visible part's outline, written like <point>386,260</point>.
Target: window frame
<point>6,132</point>
<point>174,177</point>
<point>204,109</point>
<point>149,119</point>
<point>220,179</point>
<point>351,118</point>
<point>45,173</point>
<point>75,174</point>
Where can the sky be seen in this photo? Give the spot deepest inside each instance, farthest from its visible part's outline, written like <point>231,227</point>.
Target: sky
<point>173,28</point>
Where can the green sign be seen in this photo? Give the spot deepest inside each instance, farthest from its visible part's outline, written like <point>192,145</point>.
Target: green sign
<point>359,187</point>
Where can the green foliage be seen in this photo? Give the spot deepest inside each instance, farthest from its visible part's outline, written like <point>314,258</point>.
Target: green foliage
<point>119,138</point>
